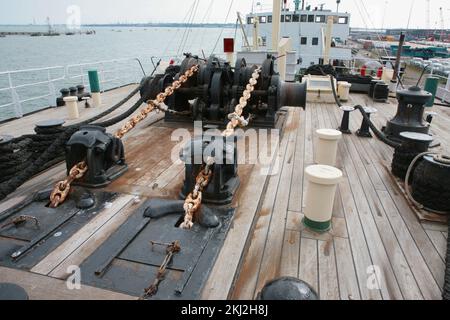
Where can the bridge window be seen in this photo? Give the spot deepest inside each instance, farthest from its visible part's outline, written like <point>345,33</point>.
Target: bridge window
<point>263,19</point>
<point>295,18</point>
<point>303,41</point>
<point>288,18</point>
<point>320,19</point>
<point>315,41</point>
<point>250,20</point>
<point>269,19</point>
<point>343,20</point>
<point>311,18</point>
<point>303,18</point>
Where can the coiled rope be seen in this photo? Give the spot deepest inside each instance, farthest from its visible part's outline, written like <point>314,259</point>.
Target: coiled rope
<point>28,155</point>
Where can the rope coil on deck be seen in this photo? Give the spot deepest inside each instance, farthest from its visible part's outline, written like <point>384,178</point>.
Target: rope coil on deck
<point>25,156</point>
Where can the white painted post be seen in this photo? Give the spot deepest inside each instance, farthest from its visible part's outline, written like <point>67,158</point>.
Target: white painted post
<point>15,97</point>
<point>51,90</point>
<point>276,20</point>
<point>255,32</point>
<point>328,36</point>
<point>283,49</point>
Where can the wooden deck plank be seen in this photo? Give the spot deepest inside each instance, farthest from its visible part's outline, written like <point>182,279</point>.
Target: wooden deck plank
<point>248,277</point>
<point>390,257</point>
<point>400,267</point>
<point>223,275</point>
<point>439,241</point>
<point>419,235</point>
<point>270,264</point>
<point>80,254</point>
<point>290,254</point>
<point>346,274</point>
<point>328,279</point>
<point>358,244</point>
<point>296,193</point>
<point>308,266</point>
<point>56,257</point>
<point>39,287</point>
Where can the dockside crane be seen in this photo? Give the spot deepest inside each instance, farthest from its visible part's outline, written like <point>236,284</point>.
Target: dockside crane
<point>441,14</point>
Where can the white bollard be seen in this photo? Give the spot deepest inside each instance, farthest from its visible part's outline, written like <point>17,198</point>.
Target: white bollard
<point>72,107</point>
<point>327,146</point>
<point>344,90</point>
<point>97,99</point>
<point>320,194</point>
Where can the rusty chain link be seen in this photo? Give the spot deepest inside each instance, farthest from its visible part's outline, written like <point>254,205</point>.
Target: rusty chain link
<point>236,118</point>
<point>62,188</point>
<point>194,200</point>
<point>20,220</point>
<point>171,249</point>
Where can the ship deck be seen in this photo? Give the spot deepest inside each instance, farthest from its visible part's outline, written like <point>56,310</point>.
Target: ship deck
<point>373,223</point>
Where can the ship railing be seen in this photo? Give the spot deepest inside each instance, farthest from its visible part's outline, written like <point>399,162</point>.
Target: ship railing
<point>30,90</point>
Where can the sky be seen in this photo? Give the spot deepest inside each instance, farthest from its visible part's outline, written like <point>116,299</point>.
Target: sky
<point>383,13</point>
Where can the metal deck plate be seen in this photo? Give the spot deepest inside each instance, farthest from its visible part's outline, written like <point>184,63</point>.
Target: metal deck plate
<point>135,262</point>
<point>55,227</point>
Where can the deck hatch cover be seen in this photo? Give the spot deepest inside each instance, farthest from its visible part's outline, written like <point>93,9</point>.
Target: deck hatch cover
<point>37,242</point>
<point>134,264</point>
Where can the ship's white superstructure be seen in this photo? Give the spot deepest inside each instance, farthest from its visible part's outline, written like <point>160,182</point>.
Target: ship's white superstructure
<point>307,29</point>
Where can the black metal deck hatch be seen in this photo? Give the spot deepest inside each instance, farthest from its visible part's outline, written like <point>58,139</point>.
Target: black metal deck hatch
<point>127,262</point>
<point>25,245</point>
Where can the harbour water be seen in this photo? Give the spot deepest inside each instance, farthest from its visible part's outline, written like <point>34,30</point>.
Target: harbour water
<point>108,43</point>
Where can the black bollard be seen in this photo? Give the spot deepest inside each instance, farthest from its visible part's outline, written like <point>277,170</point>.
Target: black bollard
<point>60,100</point>
<point>364,131</point>
<point>344,128</point>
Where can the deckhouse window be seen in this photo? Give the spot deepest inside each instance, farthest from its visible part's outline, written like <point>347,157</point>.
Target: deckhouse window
<point>320,19</point>
<point>282,18</point>
<point>343,20</point>
<point>295,18</point>
<point>263,19</point>
<point>288,18</point>
<point>315,41</point>
<point>269,19</point>
<point>303,18</point>
<point>311,18</point>
<point>250,20</point>
<point>303,41</point>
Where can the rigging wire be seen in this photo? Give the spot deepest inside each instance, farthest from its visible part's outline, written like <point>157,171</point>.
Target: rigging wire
<point>373,25</point>
<point>185,28</point>
<point>189,29</point>
<point>205,19</point>
<point>221,31</point>
<point>177,31</point>
<point>410,13</point>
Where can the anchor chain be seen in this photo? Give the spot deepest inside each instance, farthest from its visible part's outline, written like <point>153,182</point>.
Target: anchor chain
<point>20,220</point>
<point>62,188</point>
<point>194,200</point>
<point>171,250</point>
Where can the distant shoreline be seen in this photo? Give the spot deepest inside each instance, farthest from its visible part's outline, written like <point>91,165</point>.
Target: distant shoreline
<point>128,25</point>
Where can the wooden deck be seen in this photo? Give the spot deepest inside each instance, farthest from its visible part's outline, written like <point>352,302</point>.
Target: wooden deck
<point>373,224</point>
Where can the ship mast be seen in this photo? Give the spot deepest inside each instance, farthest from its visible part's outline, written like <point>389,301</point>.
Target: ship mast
<point>276,24</point>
